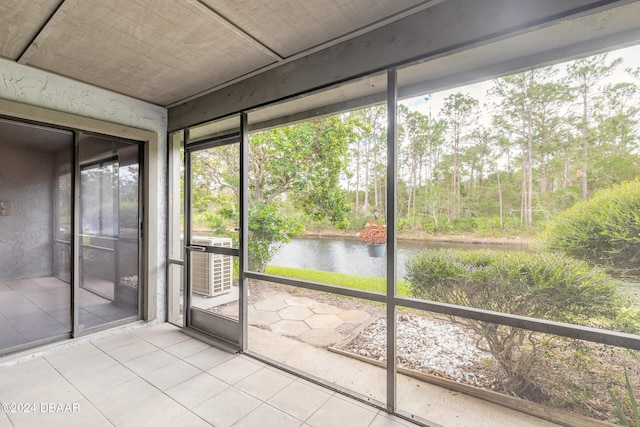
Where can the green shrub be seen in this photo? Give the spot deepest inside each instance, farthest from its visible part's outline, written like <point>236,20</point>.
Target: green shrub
<point>546,286</point>
<point>430,225</point>
<point>406,224</point>
<point>604,229</point>
<point>356,221</point>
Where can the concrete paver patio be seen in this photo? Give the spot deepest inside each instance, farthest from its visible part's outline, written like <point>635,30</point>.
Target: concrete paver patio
<point>306,319</point>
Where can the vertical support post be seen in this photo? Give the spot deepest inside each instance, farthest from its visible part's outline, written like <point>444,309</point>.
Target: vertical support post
<point>244,230</point>
<point>392,154</point>
<point>143,282</point>
<point>115,194</point>
<point>186,311</point>
<point>175,245</point>
<point>75,236</point>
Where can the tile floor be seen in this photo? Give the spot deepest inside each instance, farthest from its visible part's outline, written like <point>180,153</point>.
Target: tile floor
<point>158,376</point>
<point>34,309</point>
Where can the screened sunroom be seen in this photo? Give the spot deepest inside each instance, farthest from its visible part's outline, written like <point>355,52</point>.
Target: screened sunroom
<point>364,195</point>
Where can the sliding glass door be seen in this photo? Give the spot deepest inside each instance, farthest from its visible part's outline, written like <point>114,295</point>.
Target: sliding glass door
<point>69,233</point>
<point>35,234</point>
<point>109,244</point>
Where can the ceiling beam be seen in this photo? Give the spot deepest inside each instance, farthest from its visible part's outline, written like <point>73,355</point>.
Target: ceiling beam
<point>367,28</point>
<point>349,105</point>
<point>47,28</point>
<point>519,64</point>
<point>456,79</point>
<point>235,29</point>
<point>445,28</point>
<point>385,21</point>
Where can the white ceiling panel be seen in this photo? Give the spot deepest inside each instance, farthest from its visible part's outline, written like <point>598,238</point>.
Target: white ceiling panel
<point>20,22</point>
<point>156,50</point>
<point>169,52</point>
<point>292,26</point>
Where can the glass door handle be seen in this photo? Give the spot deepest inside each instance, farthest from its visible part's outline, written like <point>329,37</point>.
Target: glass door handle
<point>197,248</point>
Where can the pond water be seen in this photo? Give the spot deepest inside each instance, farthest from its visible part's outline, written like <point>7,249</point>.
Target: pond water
<point>350,256</point>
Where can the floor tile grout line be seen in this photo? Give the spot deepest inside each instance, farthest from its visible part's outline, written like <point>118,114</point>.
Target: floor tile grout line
<point>262,401</point>
<point>9,419</point>
<point>29,297</point>
<point>226,388</point>
<point>87,398</point>
<point>164,391</point>
<point>17,332</point>
<point>266,402</point>
<point>35,304</point>
<point>376,412</point>
<point>138,376</point>
<point>187,379</point>
<point>333,393</point>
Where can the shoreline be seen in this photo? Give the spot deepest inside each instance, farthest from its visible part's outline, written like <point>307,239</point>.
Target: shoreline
<point>421,237</point>
<point>424,237</point>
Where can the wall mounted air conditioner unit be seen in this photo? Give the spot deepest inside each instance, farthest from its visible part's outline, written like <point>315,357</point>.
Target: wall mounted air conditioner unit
<point>211,274</point>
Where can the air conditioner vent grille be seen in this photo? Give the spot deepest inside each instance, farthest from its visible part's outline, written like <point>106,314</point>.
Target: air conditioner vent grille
<point>211,274</point>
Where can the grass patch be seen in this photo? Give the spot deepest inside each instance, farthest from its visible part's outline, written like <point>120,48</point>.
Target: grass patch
<point>363,283</point>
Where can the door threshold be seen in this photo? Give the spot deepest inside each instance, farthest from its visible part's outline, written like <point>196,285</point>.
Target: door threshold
<point>210,339</point>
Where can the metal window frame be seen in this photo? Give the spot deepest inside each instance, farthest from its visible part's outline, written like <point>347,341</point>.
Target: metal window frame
<point>75,243</point>
<point>390,298</point>
<point>220,329</point>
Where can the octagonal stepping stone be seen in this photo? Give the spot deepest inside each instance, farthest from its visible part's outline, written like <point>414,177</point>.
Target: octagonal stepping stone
<point>290,328</point>
<point>295,313</point>
<point>271,304</point>
<point>324,321</point>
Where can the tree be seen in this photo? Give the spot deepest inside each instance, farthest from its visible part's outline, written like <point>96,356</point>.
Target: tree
<point>460,112</point>
<point>300,165</point>
<point>477,157</point>
<point>422,139</point>
<point>586,74</point>
<point>616,141</point>
<point>413,154</point>
<point>268,230</point>
<point>369,147</point>
<point>295,166</point>
<point>529,103</point>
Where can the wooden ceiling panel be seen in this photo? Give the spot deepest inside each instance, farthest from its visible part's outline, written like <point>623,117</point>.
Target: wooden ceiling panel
<point>20,22</point>
<point>292,26</point>
<point>160,51</point>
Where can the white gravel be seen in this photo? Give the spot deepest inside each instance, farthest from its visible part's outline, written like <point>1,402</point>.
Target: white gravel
<point>426,345</point>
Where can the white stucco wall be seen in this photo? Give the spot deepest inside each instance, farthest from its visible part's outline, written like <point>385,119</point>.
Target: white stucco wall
<point>34,87</point>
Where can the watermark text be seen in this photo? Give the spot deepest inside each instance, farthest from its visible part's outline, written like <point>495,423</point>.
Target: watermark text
<point>40,408</point>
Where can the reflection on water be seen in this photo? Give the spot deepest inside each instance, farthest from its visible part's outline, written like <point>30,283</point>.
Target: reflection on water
<point>350,255</point>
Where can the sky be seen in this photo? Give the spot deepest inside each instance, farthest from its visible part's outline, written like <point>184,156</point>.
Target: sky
<point>630,55</point>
